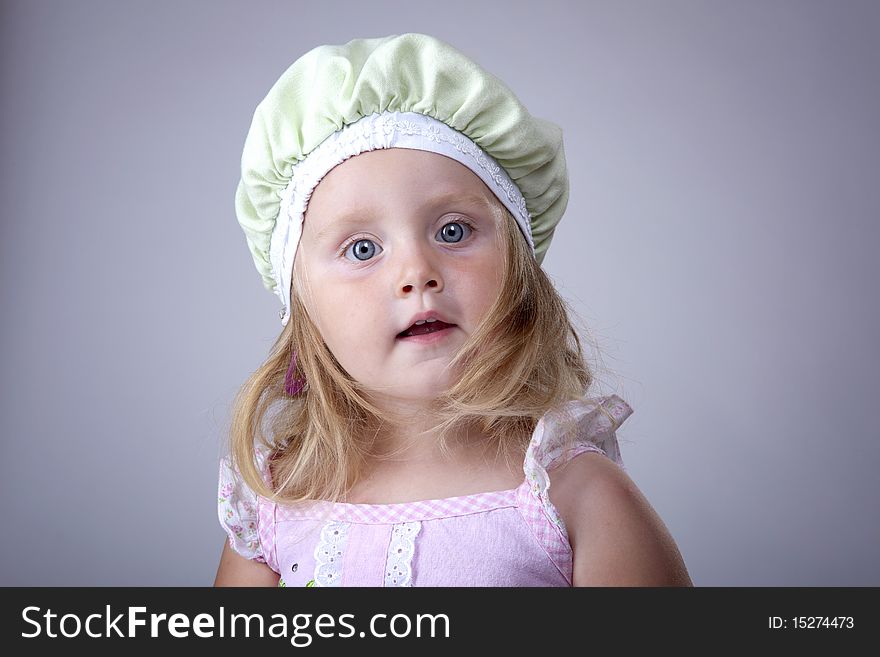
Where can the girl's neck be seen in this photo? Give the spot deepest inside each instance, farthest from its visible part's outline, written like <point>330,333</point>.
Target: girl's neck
<point>425,473</point>
<point>405,444</point>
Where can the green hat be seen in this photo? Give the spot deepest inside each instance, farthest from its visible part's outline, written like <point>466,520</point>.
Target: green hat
<point>400,91</point>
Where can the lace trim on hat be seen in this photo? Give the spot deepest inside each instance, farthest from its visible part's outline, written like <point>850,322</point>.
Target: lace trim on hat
<point>371,132</point>
<point>398,566</point>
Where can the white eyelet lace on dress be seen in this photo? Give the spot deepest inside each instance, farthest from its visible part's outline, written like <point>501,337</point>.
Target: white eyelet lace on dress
<point>329,554</point>
<point>398,566</point>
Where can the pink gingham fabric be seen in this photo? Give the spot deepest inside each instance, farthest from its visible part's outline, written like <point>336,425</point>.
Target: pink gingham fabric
<point>513,537</point>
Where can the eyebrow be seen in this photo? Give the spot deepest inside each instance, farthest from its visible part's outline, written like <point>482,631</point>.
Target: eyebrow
<point>355,217</point>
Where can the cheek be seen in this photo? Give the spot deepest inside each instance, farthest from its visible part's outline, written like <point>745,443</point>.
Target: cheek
<point>350,322</point>
<point>483,282</point>
<point>326,299</point>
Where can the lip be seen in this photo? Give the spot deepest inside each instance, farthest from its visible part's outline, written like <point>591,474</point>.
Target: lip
<point>429,338</point>
<point>426,315</point>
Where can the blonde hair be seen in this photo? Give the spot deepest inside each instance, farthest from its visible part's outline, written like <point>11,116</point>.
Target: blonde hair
<point>524,359</point>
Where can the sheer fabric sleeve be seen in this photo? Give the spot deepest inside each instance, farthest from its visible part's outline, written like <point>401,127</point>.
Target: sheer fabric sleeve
<point>594,423</point>
<point>237,509</point>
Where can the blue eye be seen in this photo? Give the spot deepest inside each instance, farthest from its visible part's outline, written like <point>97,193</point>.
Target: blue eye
<point>453,230</point>
<point>364,248</point>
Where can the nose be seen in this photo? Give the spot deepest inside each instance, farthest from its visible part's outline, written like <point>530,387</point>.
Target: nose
<point>418,273</point>
<point>406,289</point>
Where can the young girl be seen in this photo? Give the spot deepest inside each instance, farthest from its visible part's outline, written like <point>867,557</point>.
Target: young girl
<point>427,408</point>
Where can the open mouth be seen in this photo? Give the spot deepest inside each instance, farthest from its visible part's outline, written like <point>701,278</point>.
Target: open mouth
<point>424,329</point>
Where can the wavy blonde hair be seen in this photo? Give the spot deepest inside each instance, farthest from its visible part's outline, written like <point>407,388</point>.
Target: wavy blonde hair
<point>524,359</point>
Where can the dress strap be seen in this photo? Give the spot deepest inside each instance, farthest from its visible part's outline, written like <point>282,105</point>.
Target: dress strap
<point>566,431</point>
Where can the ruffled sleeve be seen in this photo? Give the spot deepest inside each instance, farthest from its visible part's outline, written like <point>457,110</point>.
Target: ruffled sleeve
<point>594,423</point>
<point>238,509</point>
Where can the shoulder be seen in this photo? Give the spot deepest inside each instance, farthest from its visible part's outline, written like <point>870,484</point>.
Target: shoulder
<point>617,538</point>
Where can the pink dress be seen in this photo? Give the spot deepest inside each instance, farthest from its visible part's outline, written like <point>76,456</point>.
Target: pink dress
<point>504,538</point>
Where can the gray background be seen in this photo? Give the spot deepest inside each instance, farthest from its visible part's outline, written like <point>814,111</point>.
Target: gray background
<point>720,240</point>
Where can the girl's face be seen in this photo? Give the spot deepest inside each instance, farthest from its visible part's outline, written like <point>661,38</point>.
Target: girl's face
<point>387,234</point>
